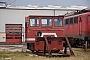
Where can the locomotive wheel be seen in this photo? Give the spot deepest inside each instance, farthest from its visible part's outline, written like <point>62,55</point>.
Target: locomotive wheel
<point>32,51</point>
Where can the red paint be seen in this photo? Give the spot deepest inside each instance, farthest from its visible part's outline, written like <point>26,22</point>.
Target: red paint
<point>82,28</point>
<point>54,45</point>
<point>13,41</point>
<point>13,33</point>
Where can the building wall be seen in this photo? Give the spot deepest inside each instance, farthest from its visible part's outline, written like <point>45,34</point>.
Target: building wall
<point>58,12</point>
<point>2,37</point>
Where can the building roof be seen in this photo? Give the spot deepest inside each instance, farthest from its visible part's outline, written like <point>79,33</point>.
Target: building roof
<point>40,7</point>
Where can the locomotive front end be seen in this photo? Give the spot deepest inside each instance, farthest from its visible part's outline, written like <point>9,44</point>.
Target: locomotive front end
<point>44,32</point>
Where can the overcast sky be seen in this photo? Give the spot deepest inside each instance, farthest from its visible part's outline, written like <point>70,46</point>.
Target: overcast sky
<point>65,3</point>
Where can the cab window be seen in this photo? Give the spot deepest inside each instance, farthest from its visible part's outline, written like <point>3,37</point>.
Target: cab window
<point>57,21</point>
<point>46,21</point>
<point>66,21</point>
<point>34,22</point>
<point>71,20</point>
<point>75,20</point>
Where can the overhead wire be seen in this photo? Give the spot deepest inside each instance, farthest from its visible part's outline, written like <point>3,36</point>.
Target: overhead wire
<point>12,2</point>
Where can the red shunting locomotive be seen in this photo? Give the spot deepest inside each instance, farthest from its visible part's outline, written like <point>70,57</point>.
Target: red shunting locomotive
<point>37,28</point>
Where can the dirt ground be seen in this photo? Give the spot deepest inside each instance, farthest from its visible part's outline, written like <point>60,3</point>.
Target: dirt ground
<point>79,55</point>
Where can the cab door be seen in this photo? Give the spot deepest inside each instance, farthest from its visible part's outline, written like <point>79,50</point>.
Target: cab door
<point>80,25</point>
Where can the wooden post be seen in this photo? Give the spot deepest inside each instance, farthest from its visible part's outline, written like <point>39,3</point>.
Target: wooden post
<point>86,45</point>
<point>49,51</point>
<point>65,50</point>
<point>44,47</point>
<point>71,51</point>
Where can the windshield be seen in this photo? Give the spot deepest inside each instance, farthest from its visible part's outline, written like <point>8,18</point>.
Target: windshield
<point>57,21</point>
<point>46,21</point>
<point>34,22</point>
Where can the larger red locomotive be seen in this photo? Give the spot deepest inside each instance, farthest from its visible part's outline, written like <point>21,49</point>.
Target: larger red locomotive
<point>39,27</point>
<point>76,25</point>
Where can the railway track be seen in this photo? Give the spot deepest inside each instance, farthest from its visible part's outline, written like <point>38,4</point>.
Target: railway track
<point>53,54</point>
<point>12,47</point>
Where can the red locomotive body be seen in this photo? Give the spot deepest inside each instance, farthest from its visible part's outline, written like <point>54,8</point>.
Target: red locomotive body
<point>77,27</point>
<point>43,26</point>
